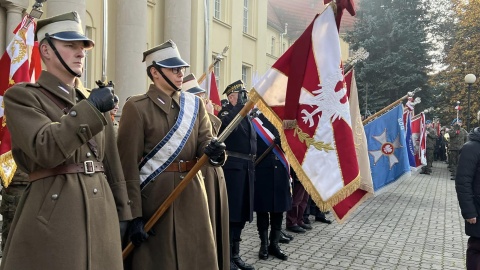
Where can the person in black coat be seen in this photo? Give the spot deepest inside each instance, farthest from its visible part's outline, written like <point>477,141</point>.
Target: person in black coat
<point>467,185</point>
<point>239,169</point>
<point>272,188</point>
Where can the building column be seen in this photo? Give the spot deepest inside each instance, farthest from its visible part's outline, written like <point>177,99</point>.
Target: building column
<point>178,22</point>
<point>14,10</point>
<point>130,42</point>
<point>57,7</point>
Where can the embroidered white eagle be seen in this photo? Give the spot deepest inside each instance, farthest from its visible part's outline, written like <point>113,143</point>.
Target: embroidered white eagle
<point>328,101</point>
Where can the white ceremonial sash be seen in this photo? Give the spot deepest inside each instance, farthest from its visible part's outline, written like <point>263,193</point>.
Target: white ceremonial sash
<point>167,150</point>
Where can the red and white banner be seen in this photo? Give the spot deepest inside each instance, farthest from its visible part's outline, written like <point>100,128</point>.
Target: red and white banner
<point>305,92</point>
<point>419,139</point>
<point>214,95</point>
<point>17,65</point>
<point>344,208</point>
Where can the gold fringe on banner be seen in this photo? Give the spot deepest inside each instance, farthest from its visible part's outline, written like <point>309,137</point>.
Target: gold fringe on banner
<point>7,168</point>
<point>322,204</point>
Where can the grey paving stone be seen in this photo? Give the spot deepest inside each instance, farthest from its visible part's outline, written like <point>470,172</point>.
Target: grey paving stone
<point>413,223</point>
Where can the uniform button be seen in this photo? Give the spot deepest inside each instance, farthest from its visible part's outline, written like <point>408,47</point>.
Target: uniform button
<point>173,106</point>
<point>182,177</point>
<point>129,202</point>
<point>83,130</point>
<point>275,167</point>
<point>89,154</point>
<point>95,191</point>
<point>73,113</point>
<point>54,197</point>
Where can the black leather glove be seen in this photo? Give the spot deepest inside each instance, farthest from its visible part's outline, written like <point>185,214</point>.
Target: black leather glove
<point>102,97</point>
<point>242,96</point>
<point>215,149</point>
<point>136,231</point>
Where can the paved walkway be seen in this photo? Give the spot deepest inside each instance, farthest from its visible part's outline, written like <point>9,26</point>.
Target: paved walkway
<point>414,223</point>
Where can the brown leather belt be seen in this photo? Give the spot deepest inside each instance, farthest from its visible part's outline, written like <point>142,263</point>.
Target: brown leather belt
<point>87,167</point>
<point>181,166</point>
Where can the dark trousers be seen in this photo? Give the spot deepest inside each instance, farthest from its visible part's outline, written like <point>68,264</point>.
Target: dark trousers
<point>312,209</point>
<point>454,159</point>
<point>236,231</point>
<point>430,158</point>
<point>275,219</point>
<point>299,203</point>
<point>473,253</point>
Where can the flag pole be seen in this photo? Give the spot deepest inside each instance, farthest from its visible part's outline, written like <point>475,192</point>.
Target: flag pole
<point>188,178</point>
<point>217,59</point>
<point>398,101</point>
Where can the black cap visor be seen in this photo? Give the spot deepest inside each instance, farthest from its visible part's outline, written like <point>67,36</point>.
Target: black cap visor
<point>73,36</point>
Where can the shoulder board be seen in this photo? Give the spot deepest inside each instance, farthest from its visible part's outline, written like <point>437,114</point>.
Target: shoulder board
<point>36,85</point>
<point>136,98</point>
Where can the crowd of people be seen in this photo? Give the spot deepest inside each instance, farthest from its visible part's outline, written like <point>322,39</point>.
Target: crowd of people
<point>87,184</point>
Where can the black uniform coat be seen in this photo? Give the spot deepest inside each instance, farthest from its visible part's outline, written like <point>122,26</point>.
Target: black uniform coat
<point>239,173</point>
<point>467,182</point>
<point>272,182</point>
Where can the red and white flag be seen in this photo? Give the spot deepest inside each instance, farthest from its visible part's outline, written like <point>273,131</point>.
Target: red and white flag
<point>344,208</point>
<point>214,95</point>
<point>305,92</point>
<point>419,139</point>
<point>17,65</point>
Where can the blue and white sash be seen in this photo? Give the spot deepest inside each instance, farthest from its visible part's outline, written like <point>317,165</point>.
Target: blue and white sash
<point>167,150</point>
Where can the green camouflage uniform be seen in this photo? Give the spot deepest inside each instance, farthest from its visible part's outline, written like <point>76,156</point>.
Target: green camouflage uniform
<point>431,141</point>
<point>10,198</point>
<point>458,136</point>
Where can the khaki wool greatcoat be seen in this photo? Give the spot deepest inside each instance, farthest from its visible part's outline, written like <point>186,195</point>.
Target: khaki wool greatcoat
<point>65,221</point>
<point>183,237</point>
<point>218,204</point>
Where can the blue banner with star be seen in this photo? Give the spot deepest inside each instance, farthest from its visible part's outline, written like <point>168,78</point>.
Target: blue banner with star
<point>386,147</point>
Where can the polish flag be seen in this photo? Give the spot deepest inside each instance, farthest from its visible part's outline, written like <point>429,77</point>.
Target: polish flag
<point>304,95</point>
<point>19,63</point>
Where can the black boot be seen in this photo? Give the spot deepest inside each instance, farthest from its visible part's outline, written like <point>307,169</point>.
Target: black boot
<point>237,260</point>
<point>284,239</point>
<point>233,266</point>
<point>274,249</point>
<point>289,236</point>
<point>263,252</point>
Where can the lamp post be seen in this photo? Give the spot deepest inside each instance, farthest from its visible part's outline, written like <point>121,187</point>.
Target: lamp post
<point>469,79</point>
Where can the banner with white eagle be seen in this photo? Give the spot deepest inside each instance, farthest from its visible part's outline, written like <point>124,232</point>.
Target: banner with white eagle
<point>304,95</point>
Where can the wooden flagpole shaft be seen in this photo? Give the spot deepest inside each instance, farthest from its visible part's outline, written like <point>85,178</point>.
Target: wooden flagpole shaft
<point>217,59</point>
<point>188,178</point>
<point>371,117</point>
<point>264,154</point>
<point>204,75</point>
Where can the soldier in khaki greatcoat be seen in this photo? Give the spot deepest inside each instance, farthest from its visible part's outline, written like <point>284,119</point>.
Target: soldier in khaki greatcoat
<point>458,136</point>
<point>161,135</point>
<point>62,136</point>
<point>214,182</point>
